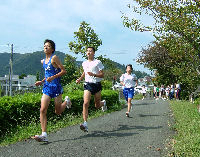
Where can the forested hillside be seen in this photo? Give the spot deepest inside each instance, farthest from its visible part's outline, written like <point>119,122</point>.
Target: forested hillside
<point>29,63</point>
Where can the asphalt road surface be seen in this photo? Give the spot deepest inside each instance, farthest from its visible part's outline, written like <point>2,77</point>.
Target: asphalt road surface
<point>143,134</point>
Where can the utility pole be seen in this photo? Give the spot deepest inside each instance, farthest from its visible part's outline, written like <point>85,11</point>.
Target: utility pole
<point>11,70</point>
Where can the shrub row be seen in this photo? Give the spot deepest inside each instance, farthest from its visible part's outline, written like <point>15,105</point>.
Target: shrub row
<point>25,108</point>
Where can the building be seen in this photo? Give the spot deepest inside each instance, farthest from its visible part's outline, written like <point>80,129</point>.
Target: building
<point>145,81</point>
<point>17,84</point>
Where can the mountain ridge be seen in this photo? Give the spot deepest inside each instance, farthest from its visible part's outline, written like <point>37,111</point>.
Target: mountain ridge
<point>30,63</point>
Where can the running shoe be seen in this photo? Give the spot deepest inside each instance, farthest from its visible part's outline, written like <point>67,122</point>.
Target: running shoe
<point>127,114</point>
<point>104,107</point>
<point>40,138</point>
<point>84,128</point>
<point>69,104</point>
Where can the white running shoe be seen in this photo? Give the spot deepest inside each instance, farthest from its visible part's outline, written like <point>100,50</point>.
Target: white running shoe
<point>69,103</point>
<point>41,138</point>
<point>127,114</point>
<point>104,107</point>
<point>84,127</point>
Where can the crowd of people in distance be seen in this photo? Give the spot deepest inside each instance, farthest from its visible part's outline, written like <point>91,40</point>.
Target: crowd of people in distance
<point>167,93</point>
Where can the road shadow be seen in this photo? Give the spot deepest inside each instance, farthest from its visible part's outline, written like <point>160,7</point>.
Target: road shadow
<point>119,132</point>
<point>151,115</point>
<point>142,103</point>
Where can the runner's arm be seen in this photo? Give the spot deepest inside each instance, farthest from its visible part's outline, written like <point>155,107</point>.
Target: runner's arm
<point>80,78</point>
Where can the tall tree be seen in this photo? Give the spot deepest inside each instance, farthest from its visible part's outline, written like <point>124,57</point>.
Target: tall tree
<point>176,30</point>
<point>71,68</point>
<point>84,37</point>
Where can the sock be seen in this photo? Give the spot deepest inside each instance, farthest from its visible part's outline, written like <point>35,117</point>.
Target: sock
<point>85,123</point>
<point>44,134</point>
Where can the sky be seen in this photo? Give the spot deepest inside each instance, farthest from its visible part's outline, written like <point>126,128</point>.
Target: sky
<point>27,23</point>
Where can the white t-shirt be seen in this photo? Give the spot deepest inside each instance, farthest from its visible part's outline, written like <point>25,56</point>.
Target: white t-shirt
<point>154,88</point>
<point>128,80</point>
<point>167,90</point>
<point>178,86</point>
<point>144,89</point>
<point>92,66</point>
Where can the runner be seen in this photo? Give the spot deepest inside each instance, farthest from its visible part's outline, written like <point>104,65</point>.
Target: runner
<point>93,73</point>
<point>167,90</point>
<point>157,92</point>
<point>129,81</point>
<point>162,92</point>
<point>144,91</point>
<point>154,91</point>
<point>52,87</point>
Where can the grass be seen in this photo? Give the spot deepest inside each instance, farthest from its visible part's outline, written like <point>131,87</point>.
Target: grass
<point>187,126</point>
<point>25,131</point>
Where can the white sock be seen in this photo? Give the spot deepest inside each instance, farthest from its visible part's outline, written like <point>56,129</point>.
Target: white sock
<point>44,134</point>
<point>85,123</point>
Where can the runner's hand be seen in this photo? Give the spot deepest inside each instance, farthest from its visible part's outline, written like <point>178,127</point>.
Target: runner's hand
<point>78,80</point>
<point>38,83</point>
<point>49,79</point>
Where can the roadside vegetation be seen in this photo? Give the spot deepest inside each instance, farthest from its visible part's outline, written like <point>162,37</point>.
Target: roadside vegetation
<point>186,141</point>
<point>24,131</point>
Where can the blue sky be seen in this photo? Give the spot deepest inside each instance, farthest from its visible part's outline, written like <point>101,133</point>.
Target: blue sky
<point>26,23</point>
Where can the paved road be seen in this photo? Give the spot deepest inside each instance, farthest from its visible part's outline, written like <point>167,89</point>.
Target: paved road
<point>112,135</point>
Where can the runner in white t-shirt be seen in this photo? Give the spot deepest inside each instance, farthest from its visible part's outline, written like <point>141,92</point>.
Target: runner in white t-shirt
<point>93,73</point>
<point>129,81</point>
<point>144,91</point>
<point>167,90</point>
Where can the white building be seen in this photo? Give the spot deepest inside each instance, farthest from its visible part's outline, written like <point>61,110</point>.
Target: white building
<point>17,84</point>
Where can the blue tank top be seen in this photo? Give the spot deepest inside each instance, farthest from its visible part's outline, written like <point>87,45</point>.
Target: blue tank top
<point>50,70</point>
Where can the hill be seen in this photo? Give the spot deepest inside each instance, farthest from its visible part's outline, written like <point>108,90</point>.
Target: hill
<point>29,63</point>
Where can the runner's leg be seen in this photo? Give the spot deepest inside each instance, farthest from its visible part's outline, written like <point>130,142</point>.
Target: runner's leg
<point>129,104</point>
<point>86,98</point>
<point>59,106</point>
<point>45,101</point>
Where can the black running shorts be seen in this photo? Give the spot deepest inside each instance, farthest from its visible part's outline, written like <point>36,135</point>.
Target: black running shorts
<point>93,87</point>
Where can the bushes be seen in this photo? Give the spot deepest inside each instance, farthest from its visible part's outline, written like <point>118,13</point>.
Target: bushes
<point>15,110</point>
<point>106,84</point>
<point>24,109</point>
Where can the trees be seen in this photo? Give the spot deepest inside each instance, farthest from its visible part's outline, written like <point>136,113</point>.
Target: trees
<point>87,37</point>
<point>176,30</point>
<point>71,68</point>
<point>84,37</point>
<point>173,18</point>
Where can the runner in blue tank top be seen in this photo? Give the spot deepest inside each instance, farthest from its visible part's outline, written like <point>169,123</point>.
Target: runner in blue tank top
<point>52,87</point>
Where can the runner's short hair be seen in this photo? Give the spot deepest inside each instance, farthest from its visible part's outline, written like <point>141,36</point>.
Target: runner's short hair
<point>53,45</point>
<point>129,65</point>
<point>91,48</point>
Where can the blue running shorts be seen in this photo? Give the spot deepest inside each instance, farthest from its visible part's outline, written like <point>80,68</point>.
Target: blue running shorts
<point>128,93</point>
<point>52,90</point>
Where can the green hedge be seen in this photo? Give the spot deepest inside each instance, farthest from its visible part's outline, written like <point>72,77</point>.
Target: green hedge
<point>25,108</point>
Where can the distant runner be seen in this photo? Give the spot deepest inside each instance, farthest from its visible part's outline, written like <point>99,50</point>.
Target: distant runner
<point>129,81</point>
